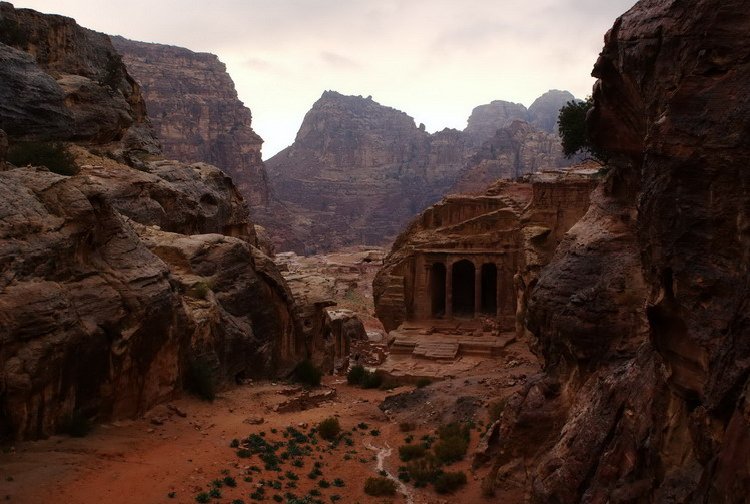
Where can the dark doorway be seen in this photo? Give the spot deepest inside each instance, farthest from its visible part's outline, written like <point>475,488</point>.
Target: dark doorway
<point>489,289</point>
<point>437,289</point>
<point>463,289</point>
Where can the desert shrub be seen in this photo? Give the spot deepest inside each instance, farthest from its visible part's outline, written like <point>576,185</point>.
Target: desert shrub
<point>423,382</point>
<point>215,493</point>
<point>372,380</point>
<point>338,482</point>
<point>76,425</point>
<point>355,375</point>
<point>307,374</point>
<point>199,290</point>
<point>329,428</point>
<point>453,442</point>
<point>449,482</point>
<point>406,426</point>
<point>230,482</point>
<point>450,449</point>
<point>378,487</point>
<point>410,452</point>
<point>199,379</point>
<point>202,497</point>
<point>53,155</point>
<point>423,470</point>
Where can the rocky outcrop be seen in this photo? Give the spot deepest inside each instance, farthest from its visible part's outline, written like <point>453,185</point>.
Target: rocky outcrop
<point>358,171</point>
<point>196,113</point>
<point>486,120</point>
<point>116,280</point>
<point>642,315</point>
<point>513,151</point>
<point>62,82</point>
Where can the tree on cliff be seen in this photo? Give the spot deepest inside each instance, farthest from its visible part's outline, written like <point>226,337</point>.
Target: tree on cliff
<point>572,126</point>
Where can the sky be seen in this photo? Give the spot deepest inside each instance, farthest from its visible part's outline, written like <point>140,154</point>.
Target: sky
<point>434,59</point>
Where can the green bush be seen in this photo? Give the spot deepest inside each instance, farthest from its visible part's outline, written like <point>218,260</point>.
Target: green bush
<point>451,449</point>
<point>378,487</point>
<point>372,380</point>
<point>53,155</point>
<point>410,452</point>
<point>355,375</point>
<point>76,425</point>
<point>202,497</point>
<point>329,428</point>
<point>423,470</point>
<point>199,379</point>
<point>307,374</point>
<point>449,482</point>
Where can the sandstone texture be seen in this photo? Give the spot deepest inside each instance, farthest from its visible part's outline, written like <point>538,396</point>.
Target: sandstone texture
<point>359,171</point>
<point>642,314</point>
<point>196,113</point>
<point>115,281</point>
<point>63,82</point>
<point>506,234</point>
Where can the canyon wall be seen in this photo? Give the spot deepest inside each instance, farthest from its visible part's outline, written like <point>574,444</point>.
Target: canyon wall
<point>120,275</point>
<point>642,314</point>
<point>359,171</point>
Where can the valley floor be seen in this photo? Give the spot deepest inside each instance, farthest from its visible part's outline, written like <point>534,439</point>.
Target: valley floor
<point>142,461</point>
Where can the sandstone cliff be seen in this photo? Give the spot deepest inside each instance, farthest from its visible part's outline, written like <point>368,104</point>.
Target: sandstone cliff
<point>642,315</point>
<point>358,171</point>
<point>196,114</point>
<point>113,280</point>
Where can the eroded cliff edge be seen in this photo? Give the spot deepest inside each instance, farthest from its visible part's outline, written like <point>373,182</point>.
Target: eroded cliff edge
<point>115,278</point>
<point>642,316</point>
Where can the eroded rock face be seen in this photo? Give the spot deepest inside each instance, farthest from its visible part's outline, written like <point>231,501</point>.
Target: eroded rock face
<point>358,171</point>
<point>642,315</point>
<point>114,279</point>
<point>196,114</point>
<point>60,81</point>
<point>89,321</point>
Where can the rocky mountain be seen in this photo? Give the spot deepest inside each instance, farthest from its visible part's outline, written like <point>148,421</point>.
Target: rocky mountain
<point>642,314</point>
<point>358,171</point>
<point>123,273</point>
<point>485,120</point>
<point>196,113</point>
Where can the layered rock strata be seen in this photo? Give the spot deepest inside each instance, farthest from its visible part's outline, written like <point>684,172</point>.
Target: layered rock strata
<point>642,315</point>
<point>116,280</point>
<point>358,171</point>
<point>196,114</point>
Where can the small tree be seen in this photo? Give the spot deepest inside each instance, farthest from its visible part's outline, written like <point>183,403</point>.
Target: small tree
<point>573,132</point>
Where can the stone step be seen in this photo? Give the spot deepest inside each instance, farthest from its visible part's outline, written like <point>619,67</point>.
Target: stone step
<point>435,350</point>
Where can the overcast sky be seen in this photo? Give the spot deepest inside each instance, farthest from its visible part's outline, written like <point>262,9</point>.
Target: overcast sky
<point>434,59</point>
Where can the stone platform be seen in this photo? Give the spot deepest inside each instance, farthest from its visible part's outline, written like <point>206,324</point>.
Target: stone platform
<point>447,340</point>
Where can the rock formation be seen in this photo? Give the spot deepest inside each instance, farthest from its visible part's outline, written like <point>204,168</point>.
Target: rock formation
<point>196,114</point>
<point>113,280</point>
<point>358,171</point>
<point>642,315</point>
<point>65,82</point>
<point>464,256</point>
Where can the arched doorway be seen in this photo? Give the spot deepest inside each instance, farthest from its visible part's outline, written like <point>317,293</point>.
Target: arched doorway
<point>437,289</point>
<point>489,289</point>
<point>463,289</point>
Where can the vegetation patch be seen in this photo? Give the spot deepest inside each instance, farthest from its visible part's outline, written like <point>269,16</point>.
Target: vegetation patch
<point>449,482</point>
<point>307,374</point>
<point>329,429</point>
<point>379,487</point>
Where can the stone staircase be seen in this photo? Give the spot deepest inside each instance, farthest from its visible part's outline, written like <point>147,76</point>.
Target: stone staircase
<point>436,350</point>
<point>513,205</point>
<point>443,347</point>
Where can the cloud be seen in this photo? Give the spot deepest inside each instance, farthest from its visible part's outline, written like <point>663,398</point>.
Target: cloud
<point>338,61</point>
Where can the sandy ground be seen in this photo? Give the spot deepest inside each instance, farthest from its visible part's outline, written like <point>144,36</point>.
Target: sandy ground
<point>138,461</point>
